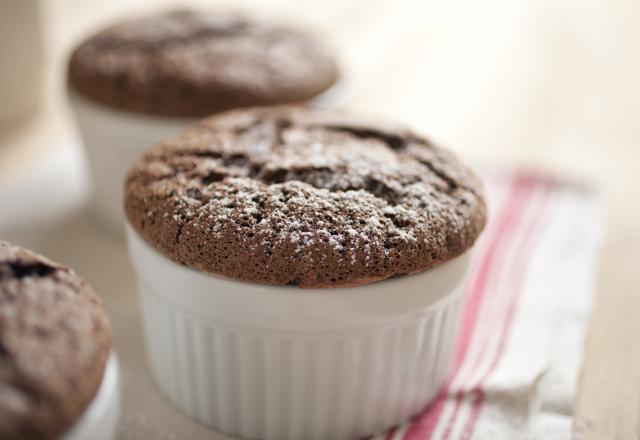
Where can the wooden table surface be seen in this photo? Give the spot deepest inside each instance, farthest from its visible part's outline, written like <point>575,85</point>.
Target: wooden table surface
<point>551,84</point>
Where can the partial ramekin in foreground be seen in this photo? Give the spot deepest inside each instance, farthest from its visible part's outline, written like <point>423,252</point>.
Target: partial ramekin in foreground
<point>100,419</point>
<point>281,362</point>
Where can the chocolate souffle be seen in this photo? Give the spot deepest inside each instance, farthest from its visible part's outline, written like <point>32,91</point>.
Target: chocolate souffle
<point>287,195</point>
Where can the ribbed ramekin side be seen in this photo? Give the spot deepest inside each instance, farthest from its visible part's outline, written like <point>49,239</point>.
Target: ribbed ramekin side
<point>263,384</point>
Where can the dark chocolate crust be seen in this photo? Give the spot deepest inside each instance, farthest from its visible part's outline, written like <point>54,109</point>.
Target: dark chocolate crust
<point>292,196</point>
<point>54,344</point>
<point>188,63</point>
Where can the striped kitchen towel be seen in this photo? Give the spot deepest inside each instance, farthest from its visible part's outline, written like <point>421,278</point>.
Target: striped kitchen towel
<point>525,316</point>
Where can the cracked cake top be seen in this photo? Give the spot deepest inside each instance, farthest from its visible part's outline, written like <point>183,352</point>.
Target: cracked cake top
<point>54,345</point>
<point>194,63</point>
<point>287,195</point>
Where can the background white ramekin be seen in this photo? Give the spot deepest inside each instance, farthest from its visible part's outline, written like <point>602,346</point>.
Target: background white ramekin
<point>280,362</point>
<point>113,139</point>
<point>100,419</point>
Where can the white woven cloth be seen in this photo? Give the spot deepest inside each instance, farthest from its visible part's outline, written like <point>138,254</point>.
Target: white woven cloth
<point>523,328</point>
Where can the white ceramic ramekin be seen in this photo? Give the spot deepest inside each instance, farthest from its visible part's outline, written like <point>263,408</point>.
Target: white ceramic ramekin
<point>113,139</point>
<point>100,419</point>
<point>280,362</point>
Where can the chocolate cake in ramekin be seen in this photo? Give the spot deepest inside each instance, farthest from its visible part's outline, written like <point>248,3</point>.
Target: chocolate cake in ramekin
<point>301,271</point>
<point>58,373</point>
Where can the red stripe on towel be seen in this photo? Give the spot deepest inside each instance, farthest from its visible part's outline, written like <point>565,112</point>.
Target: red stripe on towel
<point>517,215</point>
<point>423,427</point>
<point>522,259</point>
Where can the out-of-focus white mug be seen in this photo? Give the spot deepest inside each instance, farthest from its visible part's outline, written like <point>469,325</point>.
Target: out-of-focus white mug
<point>20,57</point>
